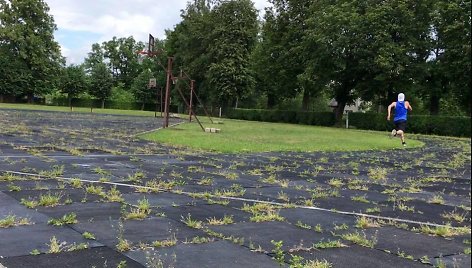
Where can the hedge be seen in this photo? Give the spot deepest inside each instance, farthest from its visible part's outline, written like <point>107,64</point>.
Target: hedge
<point>108,104</point>
<point>458,126</point>
<point>294,117</point>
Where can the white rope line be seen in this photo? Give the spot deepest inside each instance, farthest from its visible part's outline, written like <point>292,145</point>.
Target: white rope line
<point>390,219</point>
<point>156,129</point>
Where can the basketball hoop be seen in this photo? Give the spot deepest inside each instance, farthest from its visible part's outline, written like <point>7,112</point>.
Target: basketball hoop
<point>152,83</point>
<point>141,56</point>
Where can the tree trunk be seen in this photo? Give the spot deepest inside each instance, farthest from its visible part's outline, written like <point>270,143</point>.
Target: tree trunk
<point>434,105</point>
<point>270,100</point>
<point>103,104</point>
<point>339,111</point>
<point>30,98</point>
<point>306,101</point>
<point>142,107</point>
<point>1,98</point>
<point>69,98</point>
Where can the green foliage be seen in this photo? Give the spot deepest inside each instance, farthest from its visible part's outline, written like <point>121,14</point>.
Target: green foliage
<point>31,55</point>
<point>425,124</point>
<point>101,82</point>
<point>140,89</point>
<point>74,81</point>
<point>296,117</point>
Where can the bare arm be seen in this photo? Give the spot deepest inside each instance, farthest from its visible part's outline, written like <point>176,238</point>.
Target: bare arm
<point>408,106</point>
<point>389,110</point>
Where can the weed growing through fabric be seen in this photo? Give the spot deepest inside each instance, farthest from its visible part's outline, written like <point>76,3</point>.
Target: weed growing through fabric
<point>96,190</point>
<point>101,171</point>
<point>13,188</point>
<point>224,221</point>
<point>8,177</point>
<point>155,260</point>
<point>425,260</point>
<point>35,252</point>
<point>89,236</point>
<point>272,179</point>
<point>329,244</point>
<point>76,183</point>
<point>360,198</point>
<point>341,227</point>
<point>308,202</point>
<point>69,218</point>
<point>443,231</point>
<point>404,255</point>
<point>403,207</point>
<point>436,199</point>
<point>50,200</point>
<point>338,183</point>
<point>199,240</point>
<point>360,239</point>
<point>317,264</point>
<point>56,171</point>
<point>377,173</point>
<point>205,181</point>
<point>55,246</point>
<point>136,177</point>
<point>296,261</point>
<point>218,202</point>
<point>234,191</point>
<point>279,254</point>
<point>364,223</point>
<point>123,244</point>
<point>172,241</point>
<point>303,225</point>
<point>454,215</point>
<point>263,212</point>
<point>140,212</point>
<point>104,179</point>
<point>12,220</point>
<point>283,196</point>
<point>373,210</point>
<point>114,195</point>
<point>196,224</point>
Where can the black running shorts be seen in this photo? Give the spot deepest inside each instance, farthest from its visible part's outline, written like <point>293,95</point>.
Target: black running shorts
<point>400,125</point>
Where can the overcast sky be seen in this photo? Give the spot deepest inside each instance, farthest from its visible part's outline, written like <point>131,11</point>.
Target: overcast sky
<point>82,23</point>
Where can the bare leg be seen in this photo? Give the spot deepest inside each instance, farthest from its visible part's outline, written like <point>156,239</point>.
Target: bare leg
<point>401,134</point>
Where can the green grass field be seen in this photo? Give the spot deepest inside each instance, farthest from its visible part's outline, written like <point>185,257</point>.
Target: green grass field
<point>246,136</point>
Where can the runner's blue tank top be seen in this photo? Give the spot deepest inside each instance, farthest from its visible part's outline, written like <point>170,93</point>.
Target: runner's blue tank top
<point>400,111</point>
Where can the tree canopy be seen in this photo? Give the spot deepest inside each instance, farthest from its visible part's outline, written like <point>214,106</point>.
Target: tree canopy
<point>298,56</point>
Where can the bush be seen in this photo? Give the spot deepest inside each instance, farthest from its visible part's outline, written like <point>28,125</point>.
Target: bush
<point>294,117</point>
<point>458,126</point>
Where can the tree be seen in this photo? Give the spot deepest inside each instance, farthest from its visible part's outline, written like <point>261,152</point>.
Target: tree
<point>140,88</point>
<point>234,35</point>
<point>27,34</point>
<point>96,56</point>
<point>371,49</point>
<point>14,74</point>
<point>122,58</point>
<point>189,44</point>
<point>449,65</point>
<point>73,82</point>
<point>101,82</point>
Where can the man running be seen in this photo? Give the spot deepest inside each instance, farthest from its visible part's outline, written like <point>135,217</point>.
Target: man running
<point>401,110</point>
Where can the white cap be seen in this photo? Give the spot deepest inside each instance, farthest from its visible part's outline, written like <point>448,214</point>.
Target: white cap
<point>401,97</point>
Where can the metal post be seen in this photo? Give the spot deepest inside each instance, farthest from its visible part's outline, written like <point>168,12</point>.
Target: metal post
<point>167,98</point>
<point>161,99</point>
<point>157,100</point>
<point>347,119</point>
<point>192,83</point>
